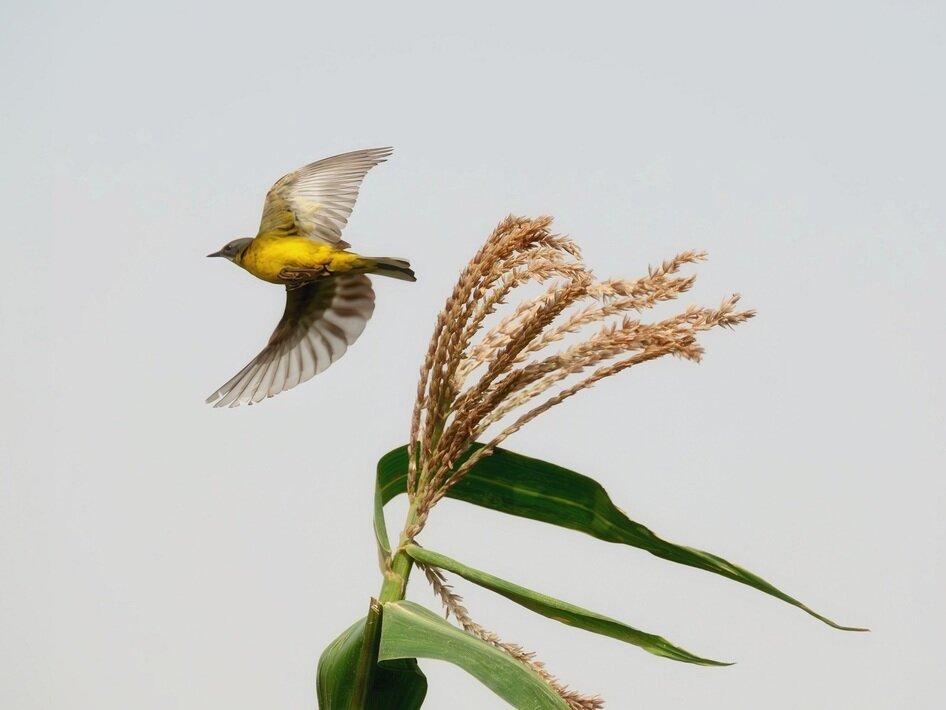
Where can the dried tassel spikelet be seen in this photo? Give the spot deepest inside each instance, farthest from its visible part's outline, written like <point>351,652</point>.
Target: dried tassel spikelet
<point>466,386</point>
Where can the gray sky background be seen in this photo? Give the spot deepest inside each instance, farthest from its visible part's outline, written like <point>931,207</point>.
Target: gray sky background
<point>156,553</point>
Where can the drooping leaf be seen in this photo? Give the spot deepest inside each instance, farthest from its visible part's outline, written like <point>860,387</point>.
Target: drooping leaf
<point>531,488</point>
<point>408,630</point>
<point>561,611</point>
<point>349,677</point>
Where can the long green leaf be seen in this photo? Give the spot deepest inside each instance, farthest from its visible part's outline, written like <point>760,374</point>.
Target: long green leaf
<point>560,611</point>
<point>531,488</point>
<point>349,676</point>
<point>408,630</point>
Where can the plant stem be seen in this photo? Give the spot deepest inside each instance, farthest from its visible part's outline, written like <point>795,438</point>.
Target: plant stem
<point>395,578</point>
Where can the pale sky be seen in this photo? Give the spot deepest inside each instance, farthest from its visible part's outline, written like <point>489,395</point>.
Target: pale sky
<point>156,553</point>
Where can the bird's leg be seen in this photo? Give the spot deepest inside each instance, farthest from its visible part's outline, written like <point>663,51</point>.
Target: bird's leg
<point>294,277</point>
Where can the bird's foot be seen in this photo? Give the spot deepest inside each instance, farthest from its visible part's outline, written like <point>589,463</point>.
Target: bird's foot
<point>299,276</point>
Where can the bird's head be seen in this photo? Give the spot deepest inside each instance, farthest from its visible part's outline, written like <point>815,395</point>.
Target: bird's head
<point>233,249</point>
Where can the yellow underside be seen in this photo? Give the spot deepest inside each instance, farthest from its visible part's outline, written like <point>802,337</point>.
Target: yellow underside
<point>268,255</point>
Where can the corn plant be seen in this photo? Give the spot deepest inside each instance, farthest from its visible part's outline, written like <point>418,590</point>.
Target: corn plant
<point>478,386</point>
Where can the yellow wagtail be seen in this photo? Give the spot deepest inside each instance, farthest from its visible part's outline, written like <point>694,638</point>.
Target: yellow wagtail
<point>328,297</point>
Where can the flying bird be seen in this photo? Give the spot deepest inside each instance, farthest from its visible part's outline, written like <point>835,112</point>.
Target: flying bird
<point>329,298</point>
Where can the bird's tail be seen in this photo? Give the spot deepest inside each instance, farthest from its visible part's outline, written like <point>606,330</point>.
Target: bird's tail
<point>395,268</point>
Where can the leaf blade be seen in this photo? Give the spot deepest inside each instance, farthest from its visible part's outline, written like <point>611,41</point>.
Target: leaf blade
<point>409,630</point>
<point>380,526</point>
<point>561,611</point>
<point>531,488</point>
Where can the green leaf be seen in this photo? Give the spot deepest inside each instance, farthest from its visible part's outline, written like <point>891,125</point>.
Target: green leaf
<point>531,488</point>
<point>337,668</point>
<point>380,527</point>
<point>349,676</point>
<point>398,684</point>
<point>560,611</point>
<point>409,630</point>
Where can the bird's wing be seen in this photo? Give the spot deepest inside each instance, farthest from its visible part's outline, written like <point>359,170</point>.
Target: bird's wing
<point>315,201</point>
<point>321,320</point>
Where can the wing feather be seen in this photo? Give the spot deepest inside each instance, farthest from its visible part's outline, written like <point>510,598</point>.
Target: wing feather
<point>322,319</point>
<point>316,201</point>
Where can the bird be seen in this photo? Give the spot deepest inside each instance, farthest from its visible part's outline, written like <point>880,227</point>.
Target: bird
<point>329,297</point>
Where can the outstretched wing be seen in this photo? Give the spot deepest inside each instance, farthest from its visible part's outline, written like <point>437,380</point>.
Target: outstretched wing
<point>321,320</point>
<point>316,201</point>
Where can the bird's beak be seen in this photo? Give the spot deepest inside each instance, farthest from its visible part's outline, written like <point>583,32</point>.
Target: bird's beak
<point>216,253</point>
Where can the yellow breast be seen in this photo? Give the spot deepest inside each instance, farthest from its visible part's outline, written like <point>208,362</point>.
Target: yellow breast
<point>267,256</point>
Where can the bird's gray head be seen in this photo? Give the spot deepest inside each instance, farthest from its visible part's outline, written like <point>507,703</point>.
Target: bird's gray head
<point>232,249</point>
